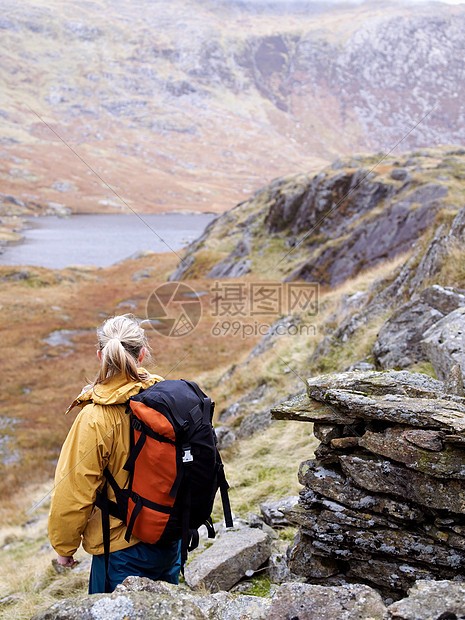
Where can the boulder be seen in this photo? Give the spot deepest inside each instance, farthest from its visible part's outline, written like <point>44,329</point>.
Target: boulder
<point>228,559</point>
<point>430,600</point>
<point>314,602</point>
<point>246,403</point>
<point>445,299</point>
<point>398,344</point>
<point>400,174</point>
<point>120,606</point>
<point>274,511</point>
<point>253,423</point>
<point>443,343</point>
<point>226,437</point>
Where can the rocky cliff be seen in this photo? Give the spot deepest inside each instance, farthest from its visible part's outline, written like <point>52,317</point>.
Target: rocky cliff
<point>327,227</point>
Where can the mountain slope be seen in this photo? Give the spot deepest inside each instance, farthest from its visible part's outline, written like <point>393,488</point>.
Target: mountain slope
<point>191,105</point>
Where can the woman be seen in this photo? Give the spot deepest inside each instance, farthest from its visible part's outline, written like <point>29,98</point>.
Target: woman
<point>99,438</point>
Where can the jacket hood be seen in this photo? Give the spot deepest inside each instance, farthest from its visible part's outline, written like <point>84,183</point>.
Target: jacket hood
<point>117,391</point>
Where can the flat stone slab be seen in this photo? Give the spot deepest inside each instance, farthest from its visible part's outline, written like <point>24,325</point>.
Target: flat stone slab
<point>228,559</point>
<point>394,444</point>
<point>304,409</point>
<point>376,383</point>
<point>313,602</point>
<point>336,486</point>
<point>382,476</point>
<point>419,412</point>
<point>398,344</point>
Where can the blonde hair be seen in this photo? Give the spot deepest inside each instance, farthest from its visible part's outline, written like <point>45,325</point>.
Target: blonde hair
<point>120,341</point>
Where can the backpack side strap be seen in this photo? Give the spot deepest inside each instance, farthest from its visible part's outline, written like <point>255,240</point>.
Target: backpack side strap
<point>224,486</point>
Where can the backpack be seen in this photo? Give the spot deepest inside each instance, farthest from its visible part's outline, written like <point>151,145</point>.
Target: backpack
<point>174,466</point>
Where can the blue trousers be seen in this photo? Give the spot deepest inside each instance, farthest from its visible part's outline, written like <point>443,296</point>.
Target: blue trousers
<point>157,562</point>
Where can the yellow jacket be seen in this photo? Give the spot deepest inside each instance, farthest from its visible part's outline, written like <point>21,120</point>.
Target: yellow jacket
<point>99,437</point>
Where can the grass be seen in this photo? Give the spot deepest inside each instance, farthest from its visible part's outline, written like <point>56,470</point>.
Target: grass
<point>265,466</point>
<point>261,585</point>
<point>453,268</point>
<point>28,582</point>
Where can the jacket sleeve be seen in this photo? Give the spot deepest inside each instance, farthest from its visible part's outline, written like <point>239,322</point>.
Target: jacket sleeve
<point>79,474</point>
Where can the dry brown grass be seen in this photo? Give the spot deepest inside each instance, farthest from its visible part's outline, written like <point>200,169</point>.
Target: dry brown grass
<point>453,268</point>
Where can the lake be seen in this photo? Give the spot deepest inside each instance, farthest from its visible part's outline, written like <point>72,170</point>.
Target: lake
<point>101,240</point>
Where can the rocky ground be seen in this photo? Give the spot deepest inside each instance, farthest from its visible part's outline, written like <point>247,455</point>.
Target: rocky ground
<point>138,597</point>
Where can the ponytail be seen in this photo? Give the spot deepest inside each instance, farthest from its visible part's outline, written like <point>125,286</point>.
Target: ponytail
<point>120,341</point>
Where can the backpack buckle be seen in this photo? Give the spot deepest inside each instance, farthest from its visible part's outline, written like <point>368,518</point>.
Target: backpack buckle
<point>136,424</point>
<point>187,456</point>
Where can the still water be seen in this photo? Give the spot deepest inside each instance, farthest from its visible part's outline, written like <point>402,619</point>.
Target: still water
<point>101,240</point>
